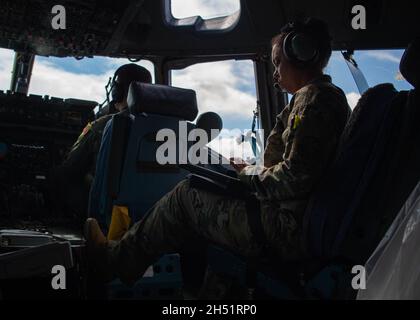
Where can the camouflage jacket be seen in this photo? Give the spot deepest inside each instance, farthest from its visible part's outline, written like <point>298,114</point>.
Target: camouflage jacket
<point>301,146</point>
<point>80,162</point>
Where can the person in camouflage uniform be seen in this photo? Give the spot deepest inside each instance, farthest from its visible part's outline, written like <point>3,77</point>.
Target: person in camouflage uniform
<point>72,180</point>
<point>299,150</point>
<point>81,160</point>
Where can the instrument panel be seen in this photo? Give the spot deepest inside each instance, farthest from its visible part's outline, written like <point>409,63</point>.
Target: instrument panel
<point>27,26</point>
<point>35,135</point>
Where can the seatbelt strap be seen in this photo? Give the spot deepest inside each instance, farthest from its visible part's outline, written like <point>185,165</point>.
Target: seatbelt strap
<point>357,74</point>
<point>254,131</point>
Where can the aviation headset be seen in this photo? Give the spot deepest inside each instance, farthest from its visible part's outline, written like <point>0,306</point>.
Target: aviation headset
<point>299,46</point>
<point>122,78</point>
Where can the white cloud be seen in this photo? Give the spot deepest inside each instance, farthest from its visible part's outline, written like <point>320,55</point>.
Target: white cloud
<point>352,99</point>
<point>49,79</point>
<point>383,56</point>
<point>217,89</point>
<point>204,8</point>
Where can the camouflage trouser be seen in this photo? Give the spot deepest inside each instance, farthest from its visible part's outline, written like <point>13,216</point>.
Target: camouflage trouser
<point>185,216</point>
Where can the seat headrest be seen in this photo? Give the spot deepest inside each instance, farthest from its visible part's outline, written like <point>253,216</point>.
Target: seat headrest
<point>209,121</point>
<point>163,100</point>
<point>410,63</point>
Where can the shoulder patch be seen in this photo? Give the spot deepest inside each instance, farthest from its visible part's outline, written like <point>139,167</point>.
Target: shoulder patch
<point>86,129</point>
<point>296,122</point>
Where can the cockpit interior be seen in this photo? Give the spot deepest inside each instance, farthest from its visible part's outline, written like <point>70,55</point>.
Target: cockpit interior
<point>209,72</point>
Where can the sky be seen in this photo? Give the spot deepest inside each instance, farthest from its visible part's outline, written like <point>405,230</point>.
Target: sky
<point>226,87</point>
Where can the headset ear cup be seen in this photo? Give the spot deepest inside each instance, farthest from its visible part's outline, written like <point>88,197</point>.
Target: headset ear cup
<point>287,48</point>
<point>299,48</point>
<point>304,48</point>
<point>116,92</point>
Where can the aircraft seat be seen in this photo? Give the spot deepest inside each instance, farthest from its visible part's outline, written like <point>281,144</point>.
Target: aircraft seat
<point>397,173</point>
<point>143,180</point>
<point>361,148</point>
<point>127,173</point>
<point>374,173</point>
<point>128,176</point>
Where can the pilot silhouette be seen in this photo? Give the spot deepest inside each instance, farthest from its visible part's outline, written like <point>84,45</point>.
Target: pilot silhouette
<point>78,169</point>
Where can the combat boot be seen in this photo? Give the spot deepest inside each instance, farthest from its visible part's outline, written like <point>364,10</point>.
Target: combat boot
<point>98,253</point>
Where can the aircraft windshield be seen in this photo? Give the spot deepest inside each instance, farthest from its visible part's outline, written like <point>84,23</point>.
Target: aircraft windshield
<point>82,79</point>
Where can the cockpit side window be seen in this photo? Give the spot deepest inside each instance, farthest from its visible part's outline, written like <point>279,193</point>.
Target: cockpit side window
<point>203,15</point>
<point>382,66</point>
<point>206,9</point>
<point>378,66</point>
<point>6,65</point>
<point>227,88</point>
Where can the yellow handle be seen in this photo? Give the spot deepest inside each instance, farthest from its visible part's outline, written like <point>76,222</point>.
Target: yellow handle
<point>120,223</point>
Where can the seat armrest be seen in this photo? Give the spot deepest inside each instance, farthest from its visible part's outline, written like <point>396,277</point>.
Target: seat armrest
<point>203,178</point>
<point>237,190</point>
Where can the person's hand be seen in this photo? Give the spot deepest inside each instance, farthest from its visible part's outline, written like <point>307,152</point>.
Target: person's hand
<point>238,164</point>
